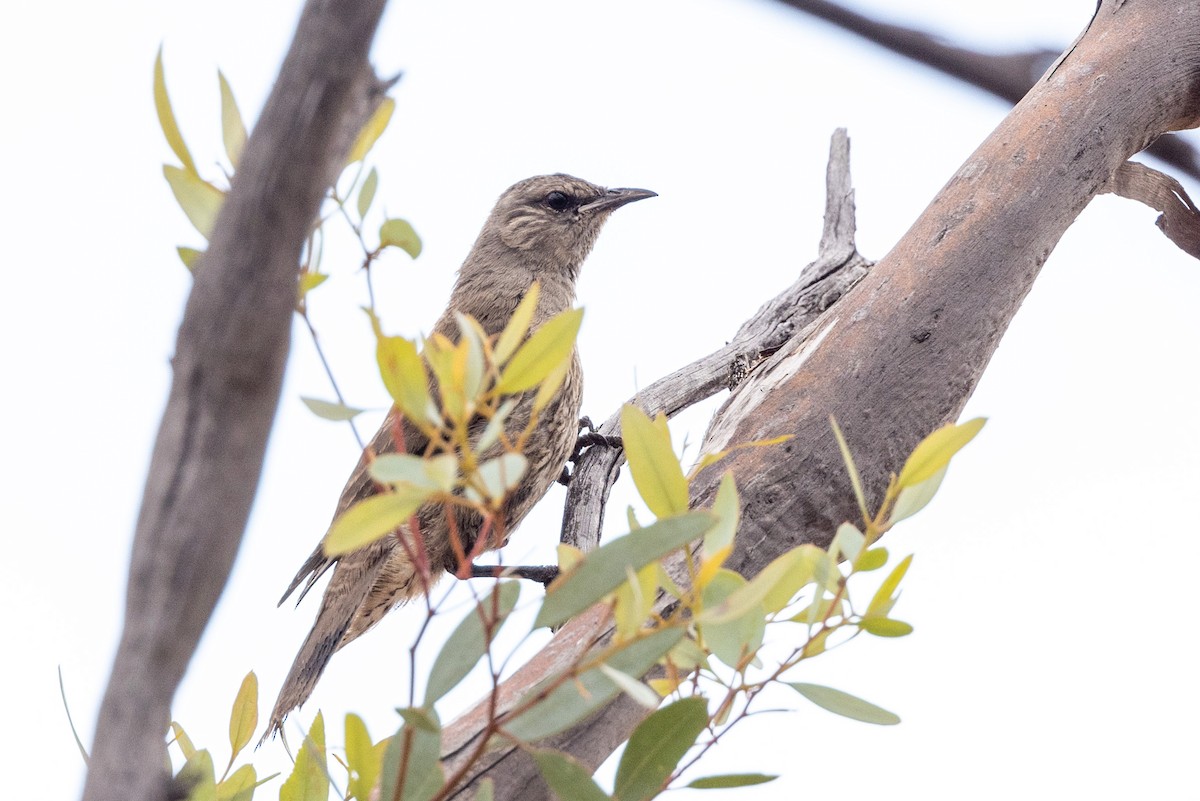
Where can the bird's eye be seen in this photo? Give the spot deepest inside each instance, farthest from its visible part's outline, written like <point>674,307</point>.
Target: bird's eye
<point>558,200</point>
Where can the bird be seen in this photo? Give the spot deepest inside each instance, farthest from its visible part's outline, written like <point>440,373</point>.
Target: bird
<point>541,229</point>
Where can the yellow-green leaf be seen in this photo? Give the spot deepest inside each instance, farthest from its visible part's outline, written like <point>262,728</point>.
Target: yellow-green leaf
<point>189,256</point>
<point>373,129</point>
<point>166,117</point>
<point>183,741</point>
<point>935,451</point>
<point>362,757</point>
<point>239,786</point>
<point>403,374</point>
<point>233,130</point>
<point>244,718</point>
<point>883,601</point>
<point>310,779</point>
<point>727,508</point>
<point>885,627</point>
<point>851,468</point>
<point>915,498</point>
<point>432,472</point>
<point>790,569</point>
<point>309,281</point>
<point>550,385</point>
<point>518,325</point>
<point>200,200</point>
<point>872,559</point>
<point>411,769</point>
<point>656,471</point>
<point>397,233</point>
<point>635,598</point>
<point>367,193</point>
<point>639,693</point>
<point>373,518</point>
<point>544,351</point>
<point>198,776</point>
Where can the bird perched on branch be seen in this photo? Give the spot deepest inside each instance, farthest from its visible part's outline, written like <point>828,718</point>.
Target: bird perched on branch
<point>541,230</point>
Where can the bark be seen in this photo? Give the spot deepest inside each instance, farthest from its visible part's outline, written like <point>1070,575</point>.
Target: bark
<point>900,354</point>
<point>228,368</point>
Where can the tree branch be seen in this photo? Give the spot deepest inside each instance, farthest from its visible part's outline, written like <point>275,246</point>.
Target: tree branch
<point>902,352</point>
<point>228,368</point>
<point>1006,75</point>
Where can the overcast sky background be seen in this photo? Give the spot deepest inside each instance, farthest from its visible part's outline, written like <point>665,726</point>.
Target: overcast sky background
<point>1053,653</point>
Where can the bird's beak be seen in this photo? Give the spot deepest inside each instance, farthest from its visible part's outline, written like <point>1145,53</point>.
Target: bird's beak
<point>616,198</point>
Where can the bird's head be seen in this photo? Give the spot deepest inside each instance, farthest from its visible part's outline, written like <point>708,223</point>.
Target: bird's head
<point>554,219</point>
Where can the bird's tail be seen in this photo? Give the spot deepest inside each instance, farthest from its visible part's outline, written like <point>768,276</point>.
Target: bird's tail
<point>341,603</point>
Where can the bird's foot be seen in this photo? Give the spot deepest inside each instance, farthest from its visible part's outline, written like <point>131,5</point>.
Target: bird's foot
<point>543,574</point>
<point>588,438</point>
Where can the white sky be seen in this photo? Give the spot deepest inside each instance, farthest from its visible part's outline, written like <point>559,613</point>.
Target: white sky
<point>1051,574</point>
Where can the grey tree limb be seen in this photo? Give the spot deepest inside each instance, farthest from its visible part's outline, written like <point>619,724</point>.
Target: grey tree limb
<point>900,354</point>
<point>228,368</point>
<point>1006,75</point>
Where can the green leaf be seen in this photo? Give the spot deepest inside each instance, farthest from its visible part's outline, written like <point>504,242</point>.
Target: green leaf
<point>372,519</point>
<point>421,719</point>
<point>545,350</point>
<point>166,117</point>
<point>372,130</point>
<point>935,451</point>
<point>243,720</point>
<point>915,498</point>
<point>656,471</point>
<point>310,778</point>
<point>328,410</point>
<point>885,627</point>
<point>422,771</point>
<point>844,704</point>
<point>404,375</point>
<point>603,570</point>
<point>189,256</point>
<point>731,638</point>
<point>656,746</point>
<point>200,200</point>
<point>567,777</point>
<point>883,600</point>
<point>486,791</point>
<point>730,780</point>
<point>233,130</point>
<point>198,777</point>
<point>469,642</point>
<point>573,701</point>
<point>366,193</point>
<point>518,325</point>
<point>362,757</point>
<point>495,478</point>
<point>399,233</point>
